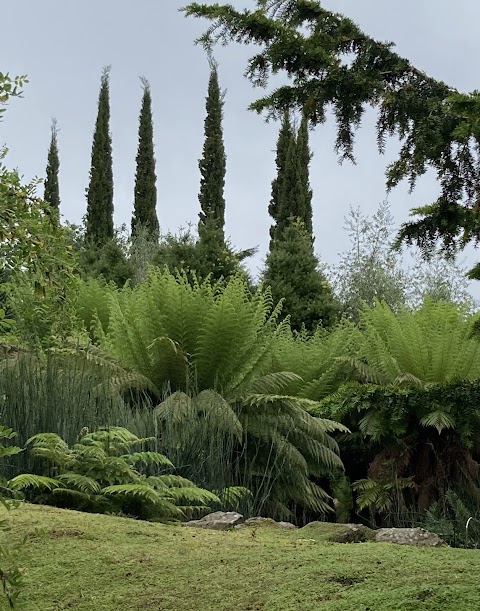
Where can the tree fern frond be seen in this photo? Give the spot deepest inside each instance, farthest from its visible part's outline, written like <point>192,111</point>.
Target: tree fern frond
<point>439,419</point>
<point>147,458</point>
<point>84,484</point>
<point>28,480</point>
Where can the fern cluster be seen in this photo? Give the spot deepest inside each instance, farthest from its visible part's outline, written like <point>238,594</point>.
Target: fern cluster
<point>102,473</point>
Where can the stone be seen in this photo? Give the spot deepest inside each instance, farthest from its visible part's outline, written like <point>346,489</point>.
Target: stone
<point>218,520</point>
<point>352,533</point>
<point>408,536</point>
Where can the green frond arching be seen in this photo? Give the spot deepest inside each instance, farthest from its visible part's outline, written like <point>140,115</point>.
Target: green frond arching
<point>28,480</point>
<point>432,345</point>
<point>316,359</point>
<point>83,483</point>
<point>148,458</point>
<point>92,304</point>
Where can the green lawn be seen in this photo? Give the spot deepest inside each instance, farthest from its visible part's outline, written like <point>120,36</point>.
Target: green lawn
<point>98,563</point>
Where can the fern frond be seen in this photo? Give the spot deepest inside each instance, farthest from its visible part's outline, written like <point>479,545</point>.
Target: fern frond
<point>28,480</point>
<point>147,458</point>
<point>439,419</point>
<point>84,484</point>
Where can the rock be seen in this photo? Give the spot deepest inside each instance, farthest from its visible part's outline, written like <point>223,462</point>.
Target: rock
<point>353,533</point>
<point>408,536</point>
<point>219,520</point>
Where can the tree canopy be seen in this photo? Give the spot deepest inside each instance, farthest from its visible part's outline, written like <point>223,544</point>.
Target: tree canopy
<point>332,64</point>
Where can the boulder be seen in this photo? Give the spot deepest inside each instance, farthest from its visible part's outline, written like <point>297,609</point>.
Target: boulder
<point>219,520</point>
<point>408,536</point>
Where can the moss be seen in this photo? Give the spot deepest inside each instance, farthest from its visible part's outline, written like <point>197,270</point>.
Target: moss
<point>87,561</point>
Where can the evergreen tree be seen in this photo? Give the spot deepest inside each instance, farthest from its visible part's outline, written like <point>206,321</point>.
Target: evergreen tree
<point>145,214</point>
<point>99,218</point>
<point>303,157</point>
<point>52,190</point>
<point>213,166</point>
<point>292,272</point>
<point>285,136</point>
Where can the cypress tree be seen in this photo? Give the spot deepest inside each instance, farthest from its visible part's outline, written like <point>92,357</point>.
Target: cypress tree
<point>145,214</point>
<point>303,157</point>
<point>292,271</point>
<point>99,218</point>
<point>285,136</point>
<point>213,165</point>
<point>52,190</point>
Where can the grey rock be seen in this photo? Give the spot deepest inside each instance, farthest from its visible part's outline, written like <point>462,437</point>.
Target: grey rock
<point>408,536</point>
<point>219,520</point>
<point>352,533</point>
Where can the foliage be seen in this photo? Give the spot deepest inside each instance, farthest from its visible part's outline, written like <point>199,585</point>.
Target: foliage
<point>370,270</point>
<point>292,271</point>
<point>435,124</point>
<point>418,401</point>
<point>60,393</point>
<point>11,576</point>
<point>99,218</point>
<point>52,190</point>
<point>214,344</point>
<point>455,520</point>
<point>102,473</point>
<point>109,260</point>
<point>210,257</point>
<point>291,194</point>
<point>10,87</point>
<point>286,134</point>
<point>373,270</point>
<point>213,165</point>
<point>144,212</point>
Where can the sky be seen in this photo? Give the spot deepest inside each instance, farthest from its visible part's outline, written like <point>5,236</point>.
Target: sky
<point>63,46</point>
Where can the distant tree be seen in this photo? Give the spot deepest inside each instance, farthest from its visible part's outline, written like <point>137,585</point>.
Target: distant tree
<point>213,167</point>
<point>370,269</point>
<point>52,189</point>
<point>293,272</point>
<point>99,218</point>
<point>285,136</point>
<point>303,157</point>
<point>144,213</point>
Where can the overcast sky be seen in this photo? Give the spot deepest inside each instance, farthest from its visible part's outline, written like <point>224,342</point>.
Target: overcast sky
<point>62,47</point>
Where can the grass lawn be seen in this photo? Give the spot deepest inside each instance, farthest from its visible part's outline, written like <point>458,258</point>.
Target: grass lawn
<point>98,563</point>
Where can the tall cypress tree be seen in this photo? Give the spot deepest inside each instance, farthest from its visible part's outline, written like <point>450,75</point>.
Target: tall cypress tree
<point>144,213</point>
<point>99,219</point>
<point>303,157</point>
<point>52,189</point>
<point>285,136</point>
<point>213,165</point>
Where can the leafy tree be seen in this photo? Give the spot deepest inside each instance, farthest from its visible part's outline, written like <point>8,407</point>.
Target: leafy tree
<point>144,213</point>
<point>99,218</point>
<point>200,259</point>
<point>213,164</point>
<point>292,271</point>
<point>370,270</point>
<point>52,189</point>
<point>437,126</point>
